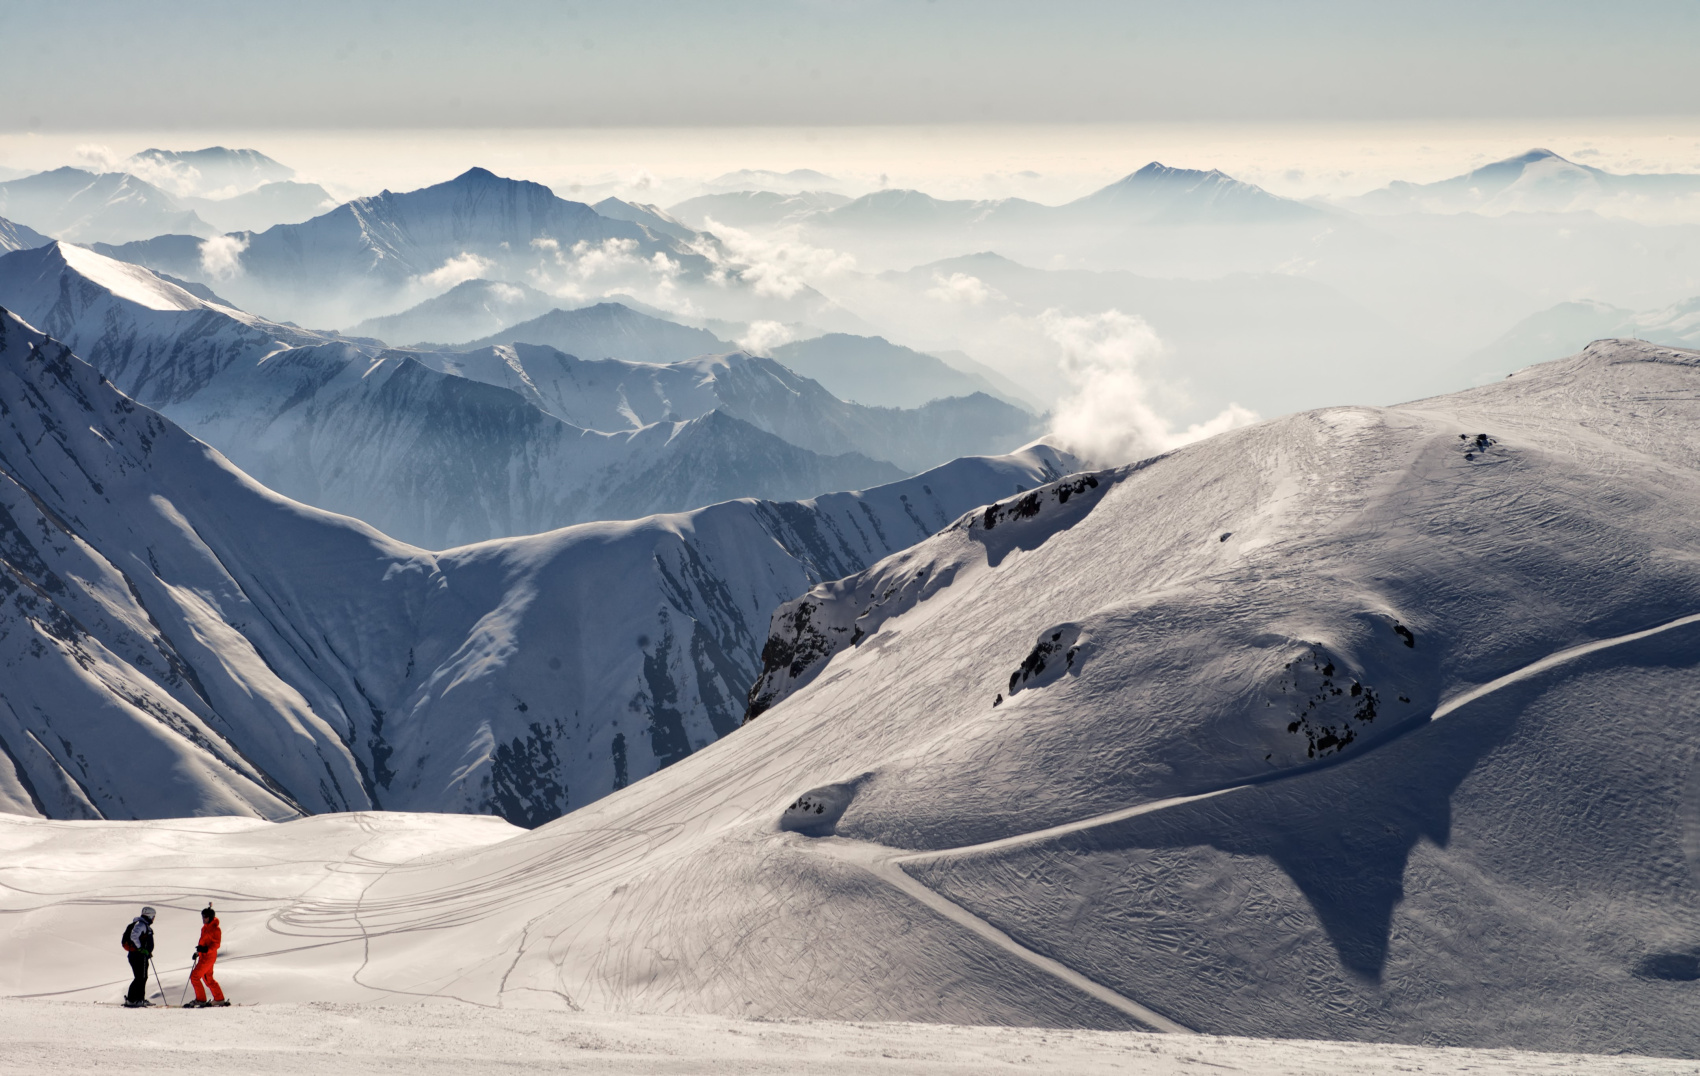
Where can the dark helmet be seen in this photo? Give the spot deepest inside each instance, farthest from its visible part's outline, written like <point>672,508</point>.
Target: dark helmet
<point>207,912</point>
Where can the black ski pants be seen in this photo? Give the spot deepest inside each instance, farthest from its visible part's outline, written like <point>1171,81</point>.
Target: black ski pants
<point>139,969</point>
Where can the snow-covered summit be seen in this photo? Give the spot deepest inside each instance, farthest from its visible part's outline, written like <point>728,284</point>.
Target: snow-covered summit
<point>1160,194</point>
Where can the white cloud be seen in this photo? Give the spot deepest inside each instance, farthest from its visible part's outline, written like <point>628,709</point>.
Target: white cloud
<point>96,158</point>
<point>1109,417</point>
<point>763,336</point>
<point>588,271</point>
<point>462,267</point>
<point>221,256</point>
<point>961,288</point>
<point>778,264</point>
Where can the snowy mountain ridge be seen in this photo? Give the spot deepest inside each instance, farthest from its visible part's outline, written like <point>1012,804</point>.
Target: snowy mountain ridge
<point>240,653</point>
<point>444,449</point>
<point>81,206</point>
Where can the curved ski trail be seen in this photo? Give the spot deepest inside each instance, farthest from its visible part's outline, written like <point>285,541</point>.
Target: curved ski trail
<point>886,863</point>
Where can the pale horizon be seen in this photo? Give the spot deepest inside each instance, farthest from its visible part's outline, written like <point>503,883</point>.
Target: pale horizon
<point>1042,162</point>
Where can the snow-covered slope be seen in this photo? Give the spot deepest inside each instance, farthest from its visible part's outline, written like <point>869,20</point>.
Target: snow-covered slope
<point>85,207</point>
<point>179,640</point>
<point>611,394</point>
<point>470,309</point>
<point>1367,723</point>
<point>14,236</point>
<point>158,341</point>
<point>609,331</point>
<point>1371,723</point>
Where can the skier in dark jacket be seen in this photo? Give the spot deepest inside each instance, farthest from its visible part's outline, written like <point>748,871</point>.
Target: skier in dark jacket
<point>138,946</point>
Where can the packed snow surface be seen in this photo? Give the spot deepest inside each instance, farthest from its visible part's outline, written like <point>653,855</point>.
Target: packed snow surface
<point>457,1039</point>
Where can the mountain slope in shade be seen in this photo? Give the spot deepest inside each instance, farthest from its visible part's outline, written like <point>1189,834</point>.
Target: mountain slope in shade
<point>470,309</point>
<point>179,640</point>
<point>283,202</point>
<point>435,458</point>
<point>652,217</point>
<point>871,370</point>
<point>610,394</point>
<point>111,207</point>
<point>14,236</point>
<point>1365,722</point>
<point>609,331</point>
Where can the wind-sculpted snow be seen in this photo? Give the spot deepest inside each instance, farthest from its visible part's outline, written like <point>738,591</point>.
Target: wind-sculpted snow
<point>179,640</point>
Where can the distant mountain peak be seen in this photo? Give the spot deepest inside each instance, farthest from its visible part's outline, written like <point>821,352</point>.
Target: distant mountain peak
<point>1158,169</point>
<point>480,175</point>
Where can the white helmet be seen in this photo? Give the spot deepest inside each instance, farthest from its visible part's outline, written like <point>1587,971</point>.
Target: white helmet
<point>148,913</point>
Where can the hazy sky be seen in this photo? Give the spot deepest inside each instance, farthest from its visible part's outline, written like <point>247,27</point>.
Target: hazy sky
<point>117,64</point>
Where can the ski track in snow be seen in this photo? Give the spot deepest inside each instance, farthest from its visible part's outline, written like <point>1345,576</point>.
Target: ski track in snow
<point>886,863</point>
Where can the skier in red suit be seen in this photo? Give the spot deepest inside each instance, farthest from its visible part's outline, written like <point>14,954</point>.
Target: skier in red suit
<point>206,951</point>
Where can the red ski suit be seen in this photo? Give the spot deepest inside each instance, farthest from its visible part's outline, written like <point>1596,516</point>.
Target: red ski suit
<point>206,953</point>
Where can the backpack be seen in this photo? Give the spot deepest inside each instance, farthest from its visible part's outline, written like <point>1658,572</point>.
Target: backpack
<point>124,939</point>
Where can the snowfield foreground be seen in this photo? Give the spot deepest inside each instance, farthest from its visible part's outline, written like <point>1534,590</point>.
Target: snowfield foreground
<point>1364,723</point>
<point>467,1040</point>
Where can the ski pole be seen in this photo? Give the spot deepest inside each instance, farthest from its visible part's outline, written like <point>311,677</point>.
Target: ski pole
<point>156,979</point>
<point>185,995</point>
